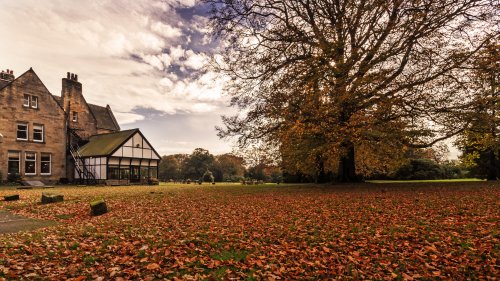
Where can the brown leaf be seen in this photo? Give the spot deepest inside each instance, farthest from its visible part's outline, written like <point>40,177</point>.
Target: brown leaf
<point>153,266</point>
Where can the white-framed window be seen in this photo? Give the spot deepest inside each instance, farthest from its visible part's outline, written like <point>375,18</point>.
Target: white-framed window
<point>30,101</point>
<point>30,163</point>
<point>75,116</point>
<point>26,101</point>
<point>45,164</point>
<point>22,131</point>
<point>38,133</point>
<point>34,102</point>
<point>14,158</point>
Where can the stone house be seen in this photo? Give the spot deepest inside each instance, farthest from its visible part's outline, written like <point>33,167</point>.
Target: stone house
<point>42,135</point>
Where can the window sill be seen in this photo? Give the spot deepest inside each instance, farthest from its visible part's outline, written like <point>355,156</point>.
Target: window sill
<point>30,174</point>
<point>50,174</point>
<point>22,140</point>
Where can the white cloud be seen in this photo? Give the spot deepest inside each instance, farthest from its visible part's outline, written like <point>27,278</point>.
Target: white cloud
<point>195,61</point>
<point>166,30</point>
<point>187,3</point>
<point>118,49</point>
<point>203,107</point>
<point>127,117</point>
<point>165,82</point>
<point>155,61</point>
<point>176,53</point>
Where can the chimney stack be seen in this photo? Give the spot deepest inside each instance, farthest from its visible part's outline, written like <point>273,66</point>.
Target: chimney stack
<point>71,76</point>
<point>7,75</point>
<point>71,91</point>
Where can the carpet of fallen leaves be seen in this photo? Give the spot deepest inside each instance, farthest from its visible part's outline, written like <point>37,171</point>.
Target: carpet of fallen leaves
<point>366,231</point>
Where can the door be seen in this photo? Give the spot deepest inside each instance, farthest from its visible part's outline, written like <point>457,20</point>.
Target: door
<point>134,174</point>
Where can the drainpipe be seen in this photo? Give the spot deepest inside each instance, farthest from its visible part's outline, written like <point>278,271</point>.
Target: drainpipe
<point>1,158</point>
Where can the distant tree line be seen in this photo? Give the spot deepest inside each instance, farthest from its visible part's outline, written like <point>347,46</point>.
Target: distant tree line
<point>204,166</point>
<point>201,165</point>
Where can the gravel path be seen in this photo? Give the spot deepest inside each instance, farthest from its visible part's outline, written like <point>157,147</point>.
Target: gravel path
<point>10,223</point>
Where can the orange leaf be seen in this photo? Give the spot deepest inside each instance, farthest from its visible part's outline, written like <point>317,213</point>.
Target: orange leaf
<point>153,266</point>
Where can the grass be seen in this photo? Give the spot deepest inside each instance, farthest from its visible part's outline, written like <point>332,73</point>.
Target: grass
<point>426,181</point>
<point>433,230</point>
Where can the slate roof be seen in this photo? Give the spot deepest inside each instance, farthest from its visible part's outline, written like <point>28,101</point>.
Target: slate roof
<point>106,144</point>
<point>58,100</point>
<point>4,83</point>
<point>103,115</point>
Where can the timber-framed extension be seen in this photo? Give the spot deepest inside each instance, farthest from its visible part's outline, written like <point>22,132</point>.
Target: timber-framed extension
<point>120,158</point>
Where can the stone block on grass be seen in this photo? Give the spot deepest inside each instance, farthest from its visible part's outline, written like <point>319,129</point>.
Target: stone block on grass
<point>11,197</point>
<point>51,198</point>
<point>98,207</point>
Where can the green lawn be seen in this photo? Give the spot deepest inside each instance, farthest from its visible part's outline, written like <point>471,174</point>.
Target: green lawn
<point>406,231</point>
<point>430,181</point>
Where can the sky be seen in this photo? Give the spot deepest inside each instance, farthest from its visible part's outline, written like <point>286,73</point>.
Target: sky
<point>146,59</point>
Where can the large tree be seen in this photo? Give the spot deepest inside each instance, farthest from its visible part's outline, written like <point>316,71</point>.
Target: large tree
<point>198,162</point>
<point>481,141</point>
<point>347,78</point>
<point>228,167</point>
<point>171,167</point>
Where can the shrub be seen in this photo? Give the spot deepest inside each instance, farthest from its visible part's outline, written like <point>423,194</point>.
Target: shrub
<point>419,169</point>
<point>425,169</point>
<point>153,181</point>
<point>208,176</point>
<point>14,178</point>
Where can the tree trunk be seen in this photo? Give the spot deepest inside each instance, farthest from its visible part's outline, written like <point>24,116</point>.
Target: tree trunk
<point>347,164</point>
<point>492,166</point>
<point>321,176</point>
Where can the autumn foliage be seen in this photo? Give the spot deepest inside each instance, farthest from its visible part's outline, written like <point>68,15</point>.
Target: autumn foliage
<point>344,87</point>
<point>436,231</point>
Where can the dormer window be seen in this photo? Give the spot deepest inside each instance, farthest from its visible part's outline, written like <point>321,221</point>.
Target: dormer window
<point>30,101</point>
<point>75,116</point>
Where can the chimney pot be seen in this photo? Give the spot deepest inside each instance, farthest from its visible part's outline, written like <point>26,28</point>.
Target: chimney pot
<point>67,75</point>
<point>11,71</point>
<point>76,77</point>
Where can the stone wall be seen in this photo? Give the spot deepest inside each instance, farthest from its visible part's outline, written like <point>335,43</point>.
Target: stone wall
<point>48,113</point>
